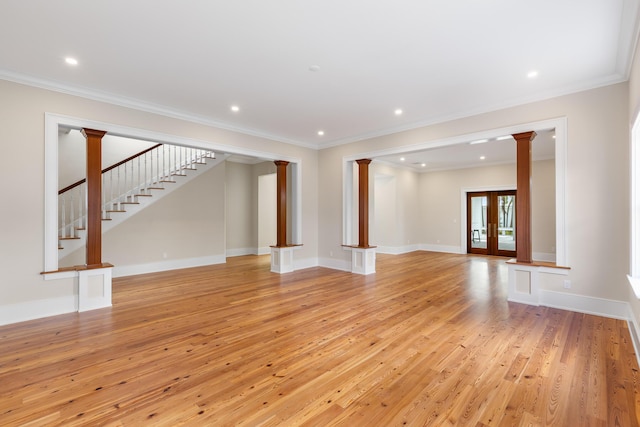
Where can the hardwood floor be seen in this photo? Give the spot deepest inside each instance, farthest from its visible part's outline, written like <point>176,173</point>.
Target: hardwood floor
<point>427,340</point>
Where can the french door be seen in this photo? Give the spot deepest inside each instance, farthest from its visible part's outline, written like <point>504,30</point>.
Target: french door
<point>491,223</point>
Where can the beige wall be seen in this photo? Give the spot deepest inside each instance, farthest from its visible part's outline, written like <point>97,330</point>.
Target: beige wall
<point>240,227</point>
<point>395,216</point>
<point>23,109</point>
<point>597,180</point>
<point>441,209</point>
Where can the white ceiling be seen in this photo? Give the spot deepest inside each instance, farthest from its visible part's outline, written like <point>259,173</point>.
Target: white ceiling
<point>435,59</point>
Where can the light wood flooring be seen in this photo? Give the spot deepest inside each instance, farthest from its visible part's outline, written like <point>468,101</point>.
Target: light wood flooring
<point>428,340</point>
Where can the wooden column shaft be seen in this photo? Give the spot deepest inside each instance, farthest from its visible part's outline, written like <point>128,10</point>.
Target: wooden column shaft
<point>94,196</point>
<point>281,203</point>
<point>523,198</point>
<point>363,202</point>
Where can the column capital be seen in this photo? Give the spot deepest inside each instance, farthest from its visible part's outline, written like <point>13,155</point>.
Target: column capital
<point>524,135</point>
<point>92,132</point>
<point>281,162</point>
<point>363,161</point>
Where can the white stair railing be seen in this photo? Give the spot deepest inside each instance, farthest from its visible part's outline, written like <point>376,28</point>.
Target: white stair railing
<point>126,181</point>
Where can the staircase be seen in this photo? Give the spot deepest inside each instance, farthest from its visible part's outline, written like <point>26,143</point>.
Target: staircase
<point>128,187</point>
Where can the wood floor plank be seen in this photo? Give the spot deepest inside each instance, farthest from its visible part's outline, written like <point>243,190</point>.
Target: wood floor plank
<point>429,339</point>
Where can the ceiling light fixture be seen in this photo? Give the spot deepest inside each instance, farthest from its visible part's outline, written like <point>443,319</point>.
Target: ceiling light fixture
<point>423,165</point>
<point>320,133</point>
<point>398,112</point>
<point>479,141</point>
<point>503,138</point>
<point>532,74</point>
<point>71,61</point>
<point>235,108</point>
<point>314,68</point>
<point>482,157</point>
<point>402,159</point>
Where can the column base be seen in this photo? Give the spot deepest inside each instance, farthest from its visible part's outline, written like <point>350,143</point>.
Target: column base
<point>94,288</point>
<point>282,259</point>
<point>363,260</point>
<point>523,283</point>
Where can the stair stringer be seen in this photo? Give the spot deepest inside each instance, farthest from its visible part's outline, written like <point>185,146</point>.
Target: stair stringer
<point>117,218</point>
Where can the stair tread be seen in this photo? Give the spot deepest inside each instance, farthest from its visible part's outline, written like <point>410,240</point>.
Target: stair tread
<point>173,182</point>
<point>115,211</point>
<point>68,238</point>
<point>130,203</point>
<point>144,195</point>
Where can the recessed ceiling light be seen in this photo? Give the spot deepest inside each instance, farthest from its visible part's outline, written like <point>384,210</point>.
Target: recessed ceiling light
<point>532,74</point>
<point>398,112</point>
<point>423,165</point>
<point>320,133</point>
<point>502,138</point>
<point>71,61</point>
<point>402,159</point>
<point>235,108</point>
<point>554,137</point>
<point>314,68</point>
<point>482,157</point>
<point>479,141</point>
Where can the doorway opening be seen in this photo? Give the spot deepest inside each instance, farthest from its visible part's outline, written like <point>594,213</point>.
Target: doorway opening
<point>491,223</point>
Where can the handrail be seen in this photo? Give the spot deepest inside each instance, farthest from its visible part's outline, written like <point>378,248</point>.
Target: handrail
<point>83,180</point>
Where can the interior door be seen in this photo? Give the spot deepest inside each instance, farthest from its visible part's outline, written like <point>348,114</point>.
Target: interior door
<point>491,223</point>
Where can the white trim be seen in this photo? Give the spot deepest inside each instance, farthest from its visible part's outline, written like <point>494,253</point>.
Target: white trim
<point>585,304</point>
<point>335,264</point>
<point>36,309</point>
<point>635,285</point>
<point>560,126</point>
<point>264,250</point>
<point>441,248</point>
<point>347,202</point>
<point>397,250</point>
<point>241,252</point>
<point>143,106</point>
<point>54,121</point>
<point>154,267</point>
<point>301,264</point>
<point>634,331</point>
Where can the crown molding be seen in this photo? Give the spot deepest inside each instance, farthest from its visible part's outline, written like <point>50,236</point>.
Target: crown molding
<point>139,105</point>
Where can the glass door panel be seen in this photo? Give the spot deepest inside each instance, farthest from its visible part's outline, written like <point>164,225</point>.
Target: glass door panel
<point>478,221</point>
<point>506,222</point>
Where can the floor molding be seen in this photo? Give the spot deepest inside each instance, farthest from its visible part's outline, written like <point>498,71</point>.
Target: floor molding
<point>154,267</point>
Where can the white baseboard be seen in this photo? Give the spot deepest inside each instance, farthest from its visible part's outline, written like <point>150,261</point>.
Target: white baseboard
<point>264,250</point>
<point>335,264</point>
<point>397,250</point>
<point>301,264</point>
<point>154,267</point>
<point>585,304</point>
<point>634,331</point>
<point>30,310</point>
<point>441,248</point>
<point>241,252</point>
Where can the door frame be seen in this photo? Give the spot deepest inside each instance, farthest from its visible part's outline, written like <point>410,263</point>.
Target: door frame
<point>463,208</point>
